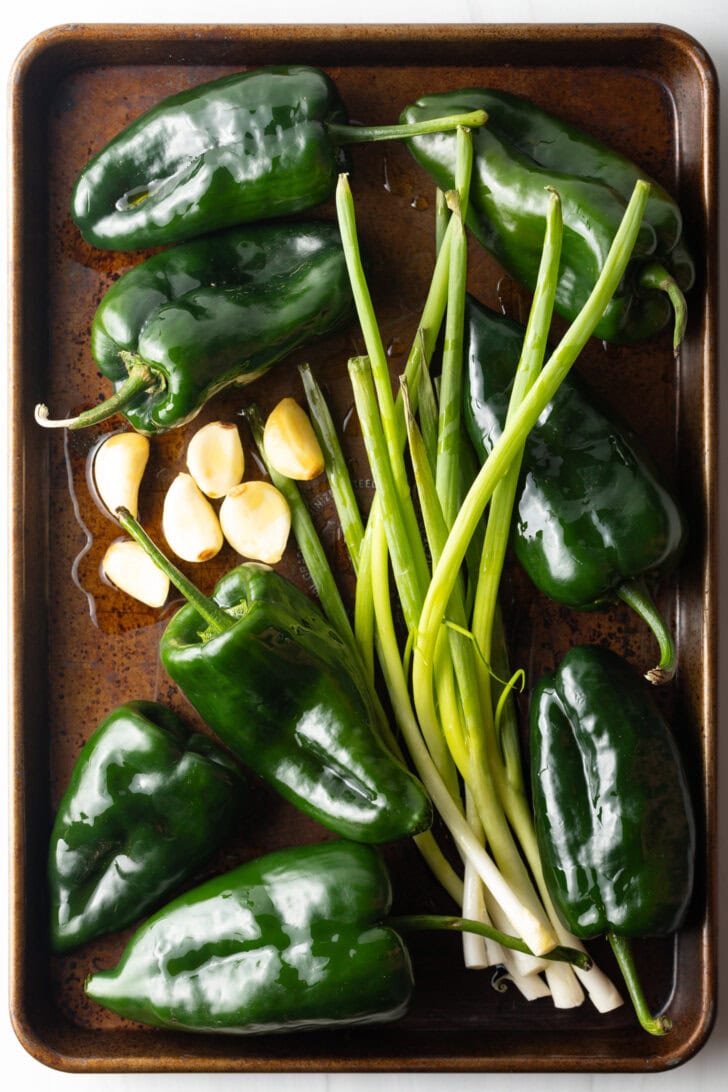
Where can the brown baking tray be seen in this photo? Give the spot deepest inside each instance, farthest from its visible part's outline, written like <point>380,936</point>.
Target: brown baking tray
<point>80,648</point>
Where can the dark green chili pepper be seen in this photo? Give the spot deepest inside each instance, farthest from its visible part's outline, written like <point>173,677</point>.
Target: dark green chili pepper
<point>191,320</point>
<point>520,152</point>
<point>294,941</point>
<point>146,806</point>
<point>291,941</point>
<point>284,692</point>
<point>249,146</point>
<point>612,809</point>
<point>592,518</point>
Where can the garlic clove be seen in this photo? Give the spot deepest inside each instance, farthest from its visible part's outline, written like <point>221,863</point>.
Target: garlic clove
<point>189,521</point>
<point>256,521</point>
<point>215,458</point>
<point>118,466</point>
<point>290,443</point>
<point>128,567</point>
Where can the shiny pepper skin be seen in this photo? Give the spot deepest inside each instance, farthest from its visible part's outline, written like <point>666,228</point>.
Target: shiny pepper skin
<point>196,318</point>
<point>283,692</point>
<point>249,146</point>
<point>147,804</point>
<point>611,802</point>
<point>293,941</point>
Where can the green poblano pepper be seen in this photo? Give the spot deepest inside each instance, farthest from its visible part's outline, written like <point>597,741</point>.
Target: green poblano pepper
<point>292,941</point>
<point>249,146</point>
<point>592,517</point>
<point>612,807</point>
<point>192,320</point>
<point>146,806</point>
<point>520,152</point>
<point>281,689</point>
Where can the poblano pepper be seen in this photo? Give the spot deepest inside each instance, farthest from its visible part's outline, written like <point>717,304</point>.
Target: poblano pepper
<point>189,321</point>
<point>284,692</point>
<point>520,152</point>
<point>297,940</point>
<point>249,146</point>
<point>292,941</point>
<point>592,517</point>
<point>147,804</point>
<point>612,807</point>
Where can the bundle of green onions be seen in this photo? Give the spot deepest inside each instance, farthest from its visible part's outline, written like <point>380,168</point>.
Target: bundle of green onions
<point>446,677</point>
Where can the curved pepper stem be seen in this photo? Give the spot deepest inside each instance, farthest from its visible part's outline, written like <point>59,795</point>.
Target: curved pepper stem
<point>635,595</point>
<point>655,276</point>
<point>360,134</point>
<point>216,618</point>
<point>444,923</point>
<point>655,1025</point>
<point>140,378</point>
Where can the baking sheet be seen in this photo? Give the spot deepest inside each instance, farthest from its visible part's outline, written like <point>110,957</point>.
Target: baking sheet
<point>80,649</point>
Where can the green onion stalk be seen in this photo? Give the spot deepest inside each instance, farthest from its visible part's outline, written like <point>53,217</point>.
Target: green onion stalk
<point>482,798</point>
<point>384,458</point>
<point>496,484</point>
<point>482,732</point>
<point>439,503</point>
<point>502,761</point>
<point>382,426</point>
<point>378,590</point>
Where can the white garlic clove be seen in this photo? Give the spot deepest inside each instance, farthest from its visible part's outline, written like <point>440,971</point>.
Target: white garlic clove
<point>256,521</point>
<point>290,443</point>
<point>128,567</point>
<point>215,458</point>
<point>189,521</point>
<point>118,467</point>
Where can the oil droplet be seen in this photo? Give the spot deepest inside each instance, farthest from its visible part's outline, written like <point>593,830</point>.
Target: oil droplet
<point>395,347</point>
<point>396,181</point>
<point>387,180</point>
<point>350,424</point>
<point>509,297</point>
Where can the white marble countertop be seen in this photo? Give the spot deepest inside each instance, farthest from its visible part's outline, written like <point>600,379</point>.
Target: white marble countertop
<point>706,21</point>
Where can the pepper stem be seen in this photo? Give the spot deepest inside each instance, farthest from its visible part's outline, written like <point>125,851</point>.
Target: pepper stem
<point>444,923</point>
<point>655,276</point>
<point>656,1025</point>
<point>139,379</point>
<point>360,134</point>
<point>216,618</point>
<point>635,594</point>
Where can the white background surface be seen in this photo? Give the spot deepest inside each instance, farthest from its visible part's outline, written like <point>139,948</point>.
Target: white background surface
<point>22,20</point>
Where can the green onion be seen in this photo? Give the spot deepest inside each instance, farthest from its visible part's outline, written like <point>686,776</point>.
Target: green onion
<point>447,474</point>
<point>514,434</point>
<point>338,477</point>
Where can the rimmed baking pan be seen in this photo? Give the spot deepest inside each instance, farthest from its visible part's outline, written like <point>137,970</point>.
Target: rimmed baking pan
<point>78,649</point>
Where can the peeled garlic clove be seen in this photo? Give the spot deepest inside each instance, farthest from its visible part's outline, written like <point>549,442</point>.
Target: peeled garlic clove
<point>128,567</point>
<point>256,521</point>
<point>118,467</point>
<point>290,442</point>
<point>189,522</point>
<point>215,458</point>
